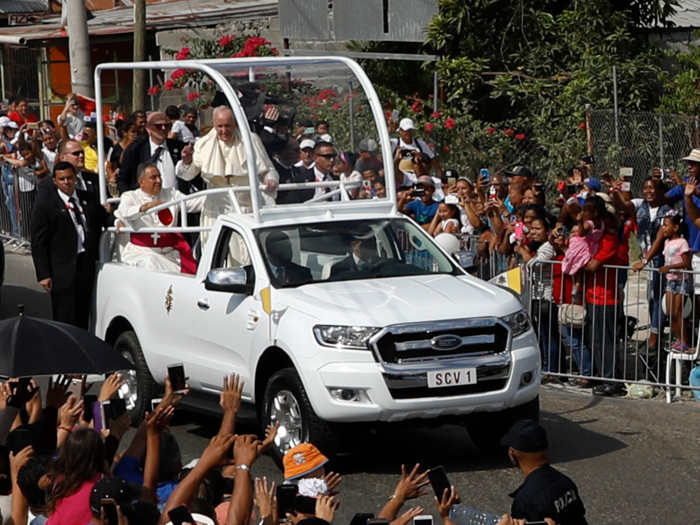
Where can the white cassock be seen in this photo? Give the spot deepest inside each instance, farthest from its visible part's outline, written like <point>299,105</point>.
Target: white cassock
<point>223,164</point>
<point>155,258</point>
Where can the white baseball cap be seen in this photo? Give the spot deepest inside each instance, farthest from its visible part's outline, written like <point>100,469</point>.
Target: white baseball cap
<point>7,122</point>
<point>406,124</point>
<point>307,143</point>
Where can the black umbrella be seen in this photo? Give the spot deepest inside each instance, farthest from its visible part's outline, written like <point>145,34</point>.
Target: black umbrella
<point>32,347</point>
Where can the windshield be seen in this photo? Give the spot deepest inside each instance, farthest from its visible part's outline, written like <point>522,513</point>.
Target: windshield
<point>347,250</point>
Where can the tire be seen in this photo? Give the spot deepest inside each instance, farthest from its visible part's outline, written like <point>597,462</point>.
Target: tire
<point>140,386</point>
<point>487,429</point>
<point>285,396</point>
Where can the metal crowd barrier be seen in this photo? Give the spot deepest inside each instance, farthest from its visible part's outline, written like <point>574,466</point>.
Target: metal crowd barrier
<point>18,196</point>
<point>628,332</point>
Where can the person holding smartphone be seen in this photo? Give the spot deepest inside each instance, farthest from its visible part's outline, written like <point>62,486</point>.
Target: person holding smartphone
<point>111,497</point>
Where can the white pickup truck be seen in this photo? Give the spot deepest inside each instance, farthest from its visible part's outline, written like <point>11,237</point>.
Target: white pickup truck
<point>369,319</point>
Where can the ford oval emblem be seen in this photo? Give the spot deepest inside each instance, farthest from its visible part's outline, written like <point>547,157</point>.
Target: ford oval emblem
<point>445,343</point>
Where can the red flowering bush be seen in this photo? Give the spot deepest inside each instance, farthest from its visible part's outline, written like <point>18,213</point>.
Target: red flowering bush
<point>429,127</point>
<point>520,136</point>
<point>450,123</point>
<point>183,54</point>
<point>153,90</point>
<point>169,85</point>
<point>193,96</point>
<point>509,132</point>
<point>490,130</point>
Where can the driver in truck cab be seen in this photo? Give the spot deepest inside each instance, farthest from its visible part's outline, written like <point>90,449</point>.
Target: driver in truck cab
<point>363,254</point>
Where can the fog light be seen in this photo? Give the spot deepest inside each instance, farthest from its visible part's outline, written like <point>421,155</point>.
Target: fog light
<point>526,379</point>
<point>348,395</point>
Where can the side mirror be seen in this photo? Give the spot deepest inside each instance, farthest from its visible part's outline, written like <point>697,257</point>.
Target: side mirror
<point>466,259</point>
<point>231,280</point>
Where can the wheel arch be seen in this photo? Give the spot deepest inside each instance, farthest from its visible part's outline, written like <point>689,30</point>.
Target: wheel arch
<point>271,360</point>
<point>117,326</point>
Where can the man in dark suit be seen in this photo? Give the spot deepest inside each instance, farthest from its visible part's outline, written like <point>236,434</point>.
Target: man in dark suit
<point>279,255</point>
<point>167,154</point>
<point>284,161</point>
<point>72,152</point>
<point>66,228</point>
<point>363,255</point>
<point>321,170</point>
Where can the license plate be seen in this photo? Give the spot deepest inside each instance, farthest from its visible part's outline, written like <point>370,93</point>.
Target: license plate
<point>460,376</point>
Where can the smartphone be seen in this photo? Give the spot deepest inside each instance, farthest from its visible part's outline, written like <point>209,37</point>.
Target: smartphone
<point>155,403</point>
<point>98,414</point>
<point>484,174</point>
<point>367,185</point>
<point>626,176</point>
<point>539,187</point>
<point>305,505</point>
<point>118,407</point>
<point>75,388</point>
<point>395,115</point>
<point>286,500</point>
<point>89,401</point>
<point>180,515</point>
<point>32,125</point>
<point>571,189</point>
<point>492,193</point>
<point>176,373</point>
<point>19,440</point>
<point>110,508</point>
<point>519,231</point>
<point>425,519</point>
<point>407,153</point>
<point>309,131</point>
<point>666,174</point>
<point>378,521</point>
<point>451,181</point>
<point>419,192</point>
<point>588,159</point>
<point>439,482</point>
<point>361,518</point>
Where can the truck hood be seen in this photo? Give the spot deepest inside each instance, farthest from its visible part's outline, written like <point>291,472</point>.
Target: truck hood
<point>406,299</point>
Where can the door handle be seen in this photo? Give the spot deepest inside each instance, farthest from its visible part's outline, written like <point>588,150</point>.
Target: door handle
<point>203,304</point>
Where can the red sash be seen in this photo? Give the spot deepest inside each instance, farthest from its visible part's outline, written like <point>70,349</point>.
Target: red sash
<point>168,240</point>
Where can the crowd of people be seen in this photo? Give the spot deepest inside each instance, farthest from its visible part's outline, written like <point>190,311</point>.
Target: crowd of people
<point>59,466</point>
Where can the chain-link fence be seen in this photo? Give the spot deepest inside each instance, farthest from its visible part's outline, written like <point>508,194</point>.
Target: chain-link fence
<point>641,141</point>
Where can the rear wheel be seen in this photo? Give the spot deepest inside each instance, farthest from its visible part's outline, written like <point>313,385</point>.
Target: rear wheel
<point>488,428</point>
<point>139,387</point>
<point>285,400</point>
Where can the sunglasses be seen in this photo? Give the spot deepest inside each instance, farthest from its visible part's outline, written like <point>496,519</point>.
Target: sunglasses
<point>76,153</point>
<point>162,126</point>
<point>329,156</point>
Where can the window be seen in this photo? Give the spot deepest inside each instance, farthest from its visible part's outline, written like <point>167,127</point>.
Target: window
<point>231,251</point>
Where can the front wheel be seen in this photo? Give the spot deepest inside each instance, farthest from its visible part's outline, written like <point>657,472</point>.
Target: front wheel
<point>488,428</point>
<point>139,387</point>
<point>285,400</point>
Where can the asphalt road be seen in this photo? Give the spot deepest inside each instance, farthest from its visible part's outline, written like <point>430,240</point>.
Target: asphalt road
<point>633,461</point>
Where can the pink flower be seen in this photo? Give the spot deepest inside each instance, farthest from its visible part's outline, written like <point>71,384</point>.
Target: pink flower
<point>509,132</point>
<point>192,96</point>
<point>169,84</point>
<point>520,136</point>
<point>226,40</point>
<point>416,107</point>
<point>178,73</point>
<point>450,123</point>
<point>490,131</point>
<point>429,127</point>
<point>183,54</point>
<point>153,90</point>
<point>437,114</point>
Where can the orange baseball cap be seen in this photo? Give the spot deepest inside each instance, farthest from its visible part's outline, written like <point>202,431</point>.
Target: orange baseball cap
<point>301,460</point>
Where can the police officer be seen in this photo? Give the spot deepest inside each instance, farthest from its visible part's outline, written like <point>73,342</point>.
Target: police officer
<point>546,492</point>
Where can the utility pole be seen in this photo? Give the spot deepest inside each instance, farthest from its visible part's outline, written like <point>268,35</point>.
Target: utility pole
<point>138,100</point>
<point>79,48</point>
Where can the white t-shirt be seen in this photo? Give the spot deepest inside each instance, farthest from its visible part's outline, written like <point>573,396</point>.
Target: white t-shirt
<point>49,158</point>
<point>416,145</point>
<point>652,211</point>
<point>182,131</point>
<point>75,124</point>
<point>26,177</point>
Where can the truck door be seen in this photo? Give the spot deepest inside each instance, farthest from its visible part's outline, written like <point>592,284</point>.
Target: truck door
<point>226,324</point>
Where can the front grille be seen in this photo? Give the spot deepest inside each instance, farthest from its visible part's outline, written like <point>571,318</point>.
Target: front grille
<point>414,344</point>
<point>425,392</point>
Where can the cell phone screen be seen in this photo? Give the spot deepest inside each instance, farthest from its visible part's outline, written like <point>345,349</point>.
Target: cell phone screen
<point>180,515</point>
<point>19,440</point>
<point>361,518</point>
<point>306,505</point>
<point>118,407</point>
<point>286,499</point>
<point>176,373</point>
<point>88,402</point>
<point>98,414</point>
<point>439,482</point>
<point>110,508</point>
<point>423,520</point>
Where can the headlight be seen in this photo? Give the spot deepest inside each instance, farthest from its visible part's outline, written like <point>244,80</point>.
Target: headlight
<point>519,322</point>
<point>355,337</point>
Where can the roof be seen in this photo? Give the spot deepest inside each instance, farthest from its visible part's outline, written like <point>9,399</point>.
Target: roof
<point>687,14</point>
<point>23,6</point>
<point>160,16</point>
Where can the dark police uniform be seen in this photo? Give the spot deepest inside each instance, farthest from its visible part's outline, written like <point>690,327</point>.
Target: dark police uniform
<point>547,493</point>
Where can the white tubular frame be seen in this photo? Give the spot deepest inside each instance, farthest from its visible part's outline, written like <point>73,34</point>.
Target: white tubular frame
<point>209,67</point>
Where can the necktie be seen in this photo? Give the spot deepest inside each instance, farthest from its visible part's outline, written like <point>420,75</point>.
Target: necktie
<point>281,275</point>
<point>77,216</point>
<point>156,155</point>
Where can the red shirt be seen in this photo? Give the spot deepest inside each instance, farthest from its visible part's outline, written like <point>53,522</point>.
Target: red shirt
<point>601,285</point>
<point>19,120</point>
<point>562,284</point>
<point>623,252</point>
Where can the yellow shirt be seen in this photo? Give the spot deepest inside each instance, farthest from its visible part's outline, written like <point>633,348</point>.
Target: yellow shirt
<point>90,157</point>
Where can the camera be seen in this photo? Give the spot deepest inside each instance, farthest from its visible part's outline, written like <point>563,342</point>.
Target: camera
<point>406,154</point>
<point>419,192</point>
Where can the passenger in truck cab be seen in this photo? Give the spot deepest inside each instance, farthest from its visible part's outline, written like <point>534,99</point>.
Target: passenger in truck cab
<point>363,255</point>
<point>279,256</point>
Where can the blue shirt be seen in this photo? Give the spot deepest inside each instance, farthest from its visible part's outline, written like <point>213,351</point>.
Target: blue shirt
<point>676,194</point>
<point>423,214</point>
<point>129,470</point>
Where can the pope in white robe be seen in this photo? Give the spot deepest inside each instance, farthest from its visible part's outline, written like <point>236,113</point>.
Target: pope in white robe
<point>221,159</point>
<point>164,252</point>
